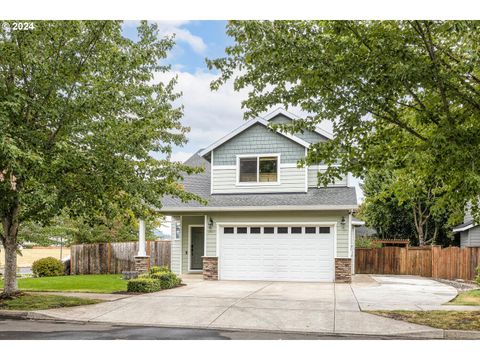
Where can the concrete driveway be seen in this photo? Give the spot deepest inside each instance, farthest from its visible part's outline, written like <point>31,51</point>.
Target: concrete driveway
<point>274,306</point>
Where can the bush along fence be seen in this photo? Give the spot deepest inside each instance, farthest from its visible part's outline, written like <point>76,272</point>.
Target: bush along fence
<point>114,258</point>
<point>443,263</point>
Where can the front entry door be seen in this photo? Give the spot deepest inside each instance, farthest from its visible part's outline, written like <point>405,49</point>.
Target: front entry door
<point>197,243</point>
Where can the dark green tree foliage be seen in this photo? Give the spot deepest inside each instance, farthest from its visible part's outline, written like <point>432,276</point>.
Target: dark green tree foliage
<point>400,94</point>
<point>395,212</point>
<point>80,116</point>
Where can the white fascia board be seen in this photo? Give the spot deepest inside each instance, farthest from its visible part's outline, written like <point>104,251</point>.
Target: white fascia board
<point>280,111</point>
<point>464,228</point>
<point>167,210</point>
<point>245,127</point>
<point>227,137</point>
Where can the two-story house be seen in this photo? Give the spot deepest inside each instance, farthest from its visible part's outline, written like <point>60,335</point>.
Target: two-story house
<point>266,218</point>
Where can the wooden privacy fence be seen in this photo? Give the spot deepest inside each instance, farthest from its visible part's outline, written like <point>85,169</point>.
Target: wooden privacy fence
<point>447,263</point>
<point>113,258</point>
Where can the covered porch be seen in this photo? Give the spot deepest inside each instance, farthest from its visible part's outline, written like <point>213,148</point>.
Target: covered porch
<point>189,245</point>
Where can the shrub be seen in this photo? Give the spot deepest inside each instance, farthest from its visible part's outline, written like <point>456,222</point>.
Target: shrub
<point>366,243</point>
<point>143,285</point>
<point>48,266</point>
<point>167,280</point>
<point>477,279</point>
<point>159,269</point>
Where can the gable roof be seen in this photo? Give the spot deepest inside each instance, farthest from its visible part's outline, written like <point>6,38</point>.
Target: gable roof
<point>280,111</point>
<point>330,198</point>
<point>244,127</point>
<point>463,227</point>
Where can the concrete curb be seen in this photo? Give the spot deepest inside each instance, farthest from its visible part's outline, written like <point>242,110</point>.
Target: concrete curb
<point>26,315</point>
<point>438,334</point>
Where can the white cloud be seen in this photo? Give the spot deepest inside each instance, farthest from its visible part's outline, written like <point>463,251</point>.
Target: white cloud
<point>209,114</point>
<point>182,35</point>
<point>166,28</point>
<point>181,156</point>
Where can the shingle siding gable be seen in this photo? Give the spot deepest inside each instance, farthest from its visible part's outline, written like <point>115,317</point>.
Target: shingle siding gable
<point>307,135</point>
<point>258,140</point>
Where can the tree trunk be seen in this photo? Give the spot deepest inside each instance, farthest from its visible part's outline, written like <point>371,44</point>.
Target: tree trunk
<point>10,284</point>
<point>9,239</point>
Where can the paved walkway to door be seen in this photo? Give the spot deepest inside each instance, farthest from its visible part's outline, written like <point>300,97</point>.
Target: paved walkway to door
<point>277,306</point>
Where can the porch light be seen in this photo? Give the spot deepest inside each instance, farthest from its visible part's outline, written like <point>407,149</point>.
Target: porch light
<point>210,223</point>
<point>343,220</point>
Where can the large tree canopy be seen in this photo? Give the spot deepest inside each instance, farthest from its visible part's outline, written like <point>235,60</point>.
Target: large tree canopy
<point>398,204</point>
<point>80,117</point>
<point>402,94</point>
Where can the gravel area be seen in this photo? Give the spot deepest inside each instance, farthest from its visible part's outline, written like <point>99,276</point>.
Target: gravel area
<point>461,286</point>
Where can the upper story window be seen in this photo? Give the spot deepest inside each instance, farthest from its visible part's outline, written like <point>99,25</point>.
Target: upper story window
<point>258,169</point>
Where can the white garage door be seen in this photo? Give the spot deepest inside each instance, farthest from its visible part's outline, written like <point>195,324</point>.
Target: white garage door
<point>281,252</point>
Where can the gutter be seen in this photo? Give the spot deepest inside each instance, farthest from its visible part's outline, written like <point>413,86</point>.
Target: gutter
<point>260,208</point>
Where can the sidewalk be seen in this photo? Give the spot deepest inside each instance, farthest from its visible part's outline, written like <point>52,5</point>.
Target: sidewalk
<point>317,308</point>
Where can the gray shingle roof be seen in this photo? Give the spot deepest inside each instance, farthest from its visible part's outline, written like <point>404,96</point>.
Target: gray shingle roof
<point>200,185</point>
<point>461,226</point>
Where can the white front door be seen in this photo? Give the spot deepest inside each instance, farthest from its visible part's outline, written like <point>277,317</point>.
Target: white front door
<point>277,252</point>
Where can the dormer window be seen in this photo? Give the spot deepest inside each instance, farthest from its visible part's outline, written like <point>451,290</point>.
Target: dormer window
<point>257,169</point>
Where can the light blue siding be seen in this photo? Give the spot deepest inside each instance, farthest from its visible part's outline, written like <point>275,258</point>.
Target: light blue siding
<point>258,140</point>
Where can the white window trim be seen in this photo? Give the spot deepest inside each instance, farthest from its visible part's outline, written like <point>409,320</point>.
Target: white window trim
<point>176,221</point>
<point>189,248</point>
<point>258,183</point>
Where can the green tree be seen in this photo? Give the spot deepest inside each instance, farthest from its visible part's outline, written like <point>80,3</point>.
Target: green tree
<point>80,116</point>
<point>396,92</point>
<point>398,204</point>
<point>381,209</point>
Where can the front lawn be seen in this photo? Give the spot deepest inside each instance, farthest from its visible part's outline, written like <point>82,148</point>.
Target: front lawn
<point>453,320</point>
<point>75,283</point>
<point>471,297</point>
<point>29,302</point>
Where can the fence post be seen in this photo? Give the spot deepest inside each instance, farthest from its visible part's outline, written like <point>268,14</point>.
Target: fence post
<point>435,249</point>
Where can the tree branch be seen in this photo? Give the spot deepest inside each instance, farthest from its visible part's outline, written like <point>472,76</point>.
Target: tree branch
<point>82,61</point>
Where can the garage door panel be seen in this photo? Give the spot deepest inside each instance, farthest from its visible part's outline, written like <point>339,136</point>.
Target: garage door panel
<point>297,257</point>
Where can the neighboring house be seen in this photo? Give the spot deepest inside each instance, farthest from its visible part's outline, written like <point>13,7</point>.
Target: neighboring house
<point>266,218</point>
<point>469,231</point>
<point>360,230</point>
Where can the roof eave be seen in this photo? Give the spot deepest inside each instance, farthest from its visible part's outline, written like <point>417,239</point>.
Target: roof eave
<point>463,228</point>
<point>259,208</point>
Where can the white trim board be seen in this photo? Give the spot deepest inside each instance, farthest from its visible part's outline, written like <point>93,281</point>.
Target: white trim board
<point>464,228</point>
<point>167,210</point>
<point>258,182</point>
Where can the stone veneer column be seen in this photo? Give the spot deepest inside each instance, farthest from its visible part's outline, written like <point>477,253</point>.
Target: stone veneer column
<point>142,264</point>
<point>210,268</point>
<point>343,270</point>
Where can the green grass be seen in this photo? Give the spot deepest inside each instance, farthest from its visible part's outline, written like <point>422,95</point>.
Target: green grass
<point>440,319</point>
<point>471,297</point>
<point>74,283</point>
<point>28,302</point>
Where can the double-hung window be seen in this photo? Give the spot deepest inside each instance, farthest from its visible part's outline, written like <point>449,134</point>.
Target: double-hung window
<point>258,169</point>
